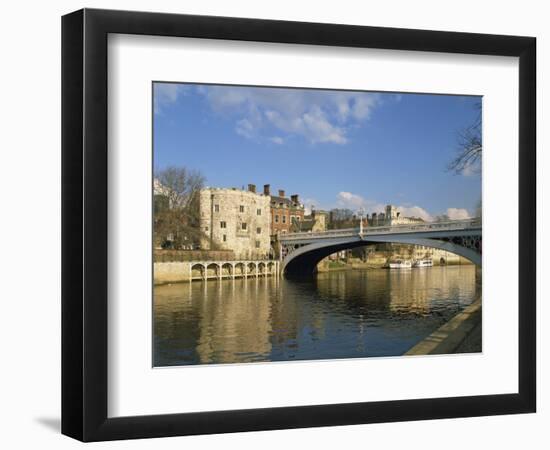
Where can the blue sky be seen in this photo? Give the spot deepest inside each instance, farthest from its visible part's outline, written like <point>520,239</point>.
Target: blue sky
<point>334,148</point>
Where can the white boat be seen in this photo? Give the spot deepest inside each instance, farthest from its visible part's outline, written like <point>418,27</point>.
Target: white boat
<point>426,262</point>
<point>400,264</point>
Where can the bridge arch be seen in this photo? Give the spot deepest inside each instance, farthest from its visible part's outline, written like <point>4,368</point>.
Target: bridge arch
<point>302,260</point>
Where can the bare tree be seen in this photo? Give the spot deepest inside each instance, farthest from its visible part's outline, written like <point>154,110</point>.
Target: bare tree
<point>469,147</point>
<point>177,208</point>
<point>180,185</point>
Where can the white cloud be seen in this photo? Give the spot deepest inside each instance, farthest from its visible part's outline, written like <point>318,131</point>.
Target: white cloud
<point>363,106</point>
<point>355,202</point>
<point>471,169</point>
<point>245,128</point>
<point>313,125</point>
<point>277,140</point>
<point>458,213</point>
<point>349,200</point>
<point>316,116</point>
<point>309,204</point>
<point>415,211</point>
<point>166,94</point>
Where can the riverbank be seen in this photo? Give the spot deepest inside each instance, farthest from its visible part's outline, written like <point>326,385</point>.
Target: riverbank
<point>461,334</point>
<point>356,264</point>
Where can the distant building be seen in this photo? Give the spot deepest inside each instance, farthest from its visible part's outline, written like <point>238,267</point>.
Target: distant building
<point>391,217</point>
<point>337,215</point>
<point>238,220</point>
<point>315,222</point>
<point>283,211</point>
<point>347,220</point>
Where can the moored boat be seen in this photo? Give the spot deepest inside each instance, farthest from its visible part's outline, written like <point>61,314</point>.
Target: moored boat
<point>426,262</point>
<point>399,264</point>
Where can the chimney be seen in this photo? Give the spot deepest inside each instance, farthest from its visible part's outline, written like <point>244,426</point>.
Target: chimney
<point>281,193</point>
<point>252,188</point>
<point>266,189</point>
<point>294,198</point>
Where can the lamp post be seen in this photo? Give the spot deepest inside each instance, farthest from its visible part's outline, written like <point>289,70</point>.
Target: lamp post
<point>361,212</point>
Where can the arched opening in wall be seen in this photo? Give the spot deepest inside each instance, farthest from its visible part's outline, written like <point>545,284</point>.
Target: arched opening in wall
<point>212,270</point>
<point>239,269</point>
<point>227,270</point>
<point>261,269</point>
<point>197,272</point>
<point>251,268</point>
<point>442,261</point>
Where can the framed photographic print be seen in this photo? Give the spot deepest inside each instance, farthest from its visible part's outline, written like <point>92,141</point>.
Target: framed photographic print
<point>273,224</point>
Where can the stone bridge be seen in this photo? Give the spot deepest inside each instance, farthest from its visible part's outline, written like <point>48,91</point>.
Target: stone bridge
<point>301,252</point>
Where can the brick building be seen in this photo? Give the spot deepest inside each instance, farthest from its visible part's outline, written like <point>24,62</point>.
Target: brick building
<point>284,211</point>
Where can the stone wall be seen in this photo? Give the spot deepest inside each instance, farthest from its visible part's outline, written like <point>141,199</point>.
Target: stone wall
<point>170,272</point>
<point>192,255</point>
<point>236,220</point>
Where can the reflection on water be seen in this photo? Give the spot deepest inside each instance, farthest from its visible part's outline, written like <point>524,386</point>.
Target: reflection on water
<point>344,314</point>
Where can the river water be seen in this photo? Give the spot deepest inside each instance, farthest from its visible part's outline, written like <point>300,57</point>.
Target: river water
<point>345,314</point>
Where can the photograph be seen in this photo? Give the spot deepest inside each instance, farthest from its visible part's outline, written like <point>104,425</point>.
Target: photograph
<point>295,224</point>
<point>259,225</point>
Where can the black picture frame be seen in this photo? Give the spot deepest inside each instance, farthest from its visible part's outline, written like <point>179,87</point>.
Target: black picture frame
<point>84,224</point>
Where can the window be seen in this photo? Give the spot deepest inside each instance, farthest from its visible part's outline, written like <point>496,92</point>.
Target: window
<point>258,230</point>
<point>257,244</point>
<point>284,219</point>
<point>216,208</point>
<point>224,237</point>
<point>223,224</point>
<point>241,208</point>
<point>243,226</point>
<point>259,212</point>
<point>276,218</point>
<point>205,228</point>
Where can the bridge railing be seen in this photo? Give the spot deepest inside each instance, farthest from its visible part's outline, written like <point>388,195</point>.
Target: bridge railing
<point>393,229</point>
